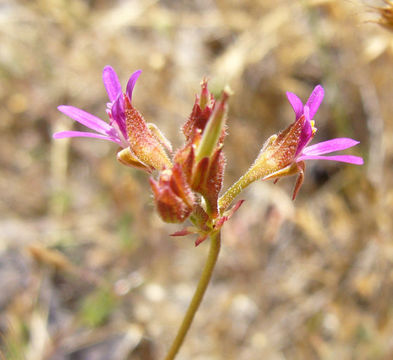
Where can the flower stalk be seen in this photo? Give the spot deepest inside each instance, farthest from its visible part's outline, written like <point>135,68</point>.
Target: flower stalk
<point>249,177</point>
<point>215,244</point>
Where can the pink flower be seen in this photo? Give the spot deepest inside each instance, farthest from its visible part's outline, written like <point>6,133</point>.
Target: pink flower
<point>284,154</point>
<point>115,130</point>
<point>304,152</point>
<point>288,150</point>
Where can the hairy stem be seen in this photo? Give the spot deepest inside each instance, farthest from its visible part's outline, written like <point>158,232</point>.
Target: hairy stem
<point>250,176</point>
<point>261,168</point>
<point>215,243</point>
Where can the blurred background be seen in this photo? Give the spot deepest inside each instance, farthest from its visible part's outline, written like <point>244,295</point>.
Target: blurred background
<point>89,271</point>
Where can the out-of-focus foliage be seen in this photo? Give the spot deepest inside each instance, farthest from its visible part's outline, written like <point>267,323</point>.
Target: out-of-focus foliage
<point>87,269</point>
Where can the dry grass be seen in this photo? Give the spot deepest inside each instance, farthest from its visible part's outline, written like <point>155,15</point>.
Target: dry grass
<point>88,271</point>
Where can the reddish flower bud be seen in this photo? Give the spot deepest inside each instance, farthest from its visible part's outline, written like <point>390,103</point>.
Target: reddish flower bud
<point>185,157</point>
<point>201,159</point>
<point>203,108</point>
<point>172,195</point>
<point>214,131</point>
<point>208,179</point>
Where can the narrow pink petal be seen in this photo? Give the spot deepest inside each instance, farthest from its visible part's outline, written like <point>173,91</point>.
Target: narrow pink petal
<point>118,114</point>
<point>131,83</point>
<point>306,112</point>
<point>111,82</point>
<point>69,134</point>
<point>85,118</point>
<point>342,158</point>
<point>315,100</point>
<point>306,134</point>
<point>329,146</point>
<point>296,104</point>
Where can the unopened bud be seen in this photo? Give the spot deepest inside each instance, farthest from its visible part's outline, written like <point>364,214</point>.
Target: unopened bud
<point>200,114</point>
<point>214,128</point>
<point>208,180</point>
<point>173,197</point>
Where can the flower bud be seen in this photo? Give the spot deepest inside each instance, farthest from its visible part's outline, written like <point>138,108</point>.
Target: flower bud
<point>201,112</point>
<point>214,128</point>
<point>173,196</point>
<point>201,159</point>
<point>208,176</point>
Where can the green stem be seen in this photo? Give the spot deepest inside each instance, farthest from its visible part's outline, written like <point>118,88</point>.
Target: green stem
<point>225,200</point>
<point>249,177</point>
<point>215,243</point>
<point>262,166</point>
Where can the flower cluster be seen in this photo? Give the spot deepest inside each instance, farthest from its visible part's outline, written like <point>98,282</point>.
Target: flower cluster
<point>187,183</point>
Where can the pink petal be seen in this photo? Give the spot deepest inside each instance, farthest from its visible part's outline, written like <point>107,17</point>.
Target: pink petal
<point>329,146</point>
<point>111,82</point>
<point>315,100</point>
<point>342,158</point>
<point>118,114</point>
<point>306,112</point>
<point>306,134</point>
<point>68,134</point>
<point>85,118</point>
<point>131,83</point>
<point>296,104</point>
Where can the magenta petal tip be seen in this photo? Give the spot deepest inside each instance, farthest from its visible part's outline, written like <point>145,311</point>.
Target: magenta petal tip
<point>131,83</point>
<point>296,104</point>
<point>111,82</point>
<point>315,99</point>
